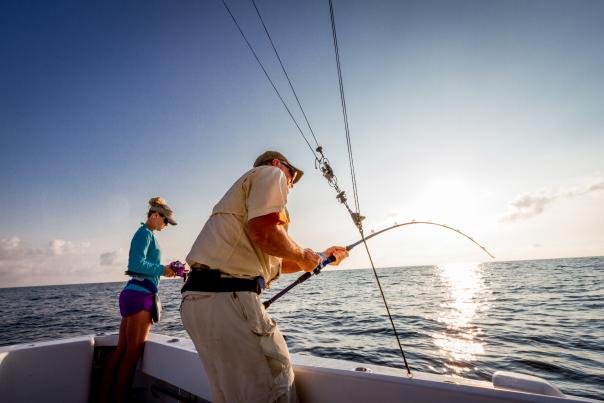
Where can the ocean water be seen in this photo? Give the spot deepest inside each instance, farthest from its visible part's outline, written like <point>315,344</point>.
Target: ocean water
<point>540,317</point>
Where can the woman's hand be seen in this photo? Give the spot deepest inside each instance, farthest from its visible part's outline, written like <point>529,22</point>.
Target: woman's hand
<point>168,271</point>
<point>339,252</point>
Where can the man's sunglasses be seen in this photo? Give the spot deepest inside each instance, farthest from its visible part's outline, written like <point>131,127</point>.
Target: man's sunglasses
<point>293,171</point>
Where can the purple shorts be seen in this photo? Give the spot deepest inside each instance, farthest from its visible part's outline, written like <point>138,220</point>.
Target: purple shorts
<point>135,301</point>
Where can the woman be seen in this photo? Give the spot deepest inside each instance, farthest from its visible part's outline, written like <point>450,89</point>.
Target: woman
<point>139,305</point>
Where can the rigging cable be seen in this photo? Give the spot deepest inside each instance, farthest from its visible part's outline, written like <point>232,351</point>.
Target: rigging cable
<point>249,45</point>
<point>320,159</point>
<point>284,71</point>
<point>344,112</point>
<point>358,221</point>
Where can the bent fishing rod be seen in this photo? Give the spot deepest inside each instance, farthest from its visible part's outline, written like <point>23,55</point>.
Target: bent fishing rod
<point>330,259</point>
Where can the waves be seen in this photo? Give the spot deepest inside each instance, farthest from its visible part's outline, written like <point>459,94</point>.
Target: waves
<point>535,317</point>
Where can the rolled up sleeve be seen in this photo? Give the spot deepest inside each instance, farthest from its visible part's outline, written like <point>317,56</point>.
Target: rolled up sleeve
<point>267,193</point>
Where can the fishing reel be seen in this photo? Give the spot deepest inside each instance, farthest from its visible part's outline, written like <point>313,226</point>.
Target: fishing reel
<point>178,268</point>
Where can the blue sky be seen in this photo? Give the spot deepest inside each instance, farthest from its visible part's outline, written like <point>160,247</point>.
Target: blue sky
<point>486,116</point>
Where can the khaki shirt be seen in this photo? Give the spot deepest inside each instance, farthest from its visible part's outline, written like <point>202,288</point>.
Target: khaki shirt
<point>224,242</point>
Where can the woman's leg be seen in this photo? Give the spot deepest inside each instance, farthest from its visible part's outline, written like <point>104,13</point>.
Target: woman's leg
<point>107,380</point>
<point>137,328</point>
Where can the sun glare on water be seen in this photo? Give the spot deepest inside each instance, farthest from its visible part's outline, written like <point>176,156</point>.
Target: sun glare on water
<point>460,342</point>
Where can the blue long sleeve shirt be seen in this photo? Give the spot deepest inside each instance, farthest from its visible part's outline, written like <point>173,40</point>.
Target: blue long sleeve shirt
<point>144,258</point>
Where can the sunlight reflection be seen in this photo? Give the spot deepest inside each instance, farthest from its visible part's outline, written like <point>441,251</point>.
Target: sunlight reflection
<point>460,342</point>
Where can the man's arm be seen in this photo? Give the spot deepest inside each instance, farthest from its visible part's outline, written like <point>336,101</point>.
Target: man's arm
<point>289,266</point>
<point>270,236</point>
<point>339,252</point>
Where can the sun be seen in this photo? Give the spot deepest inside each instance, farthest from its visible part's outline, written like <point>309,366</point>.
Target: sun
<point>447,200</point>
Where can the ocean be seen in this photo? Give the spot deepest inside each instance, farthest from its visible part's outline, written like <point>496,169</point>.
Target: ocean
<point>539,317</point>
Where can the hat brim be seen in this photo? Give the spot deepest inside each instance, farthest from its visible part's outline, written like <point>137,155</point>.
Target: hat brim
<point>166,213</point>
<point>299,174</point>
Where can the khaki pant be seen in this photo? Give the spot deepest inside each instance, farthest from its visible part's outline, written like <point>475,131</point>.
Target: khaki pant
<point>240,346</point>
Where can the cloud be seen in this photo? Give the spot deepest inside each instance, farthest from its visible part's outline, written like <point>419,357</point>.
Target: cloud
<point>591,186</point>
<point>58,247</point>
<point>528,205</point>
<point>59,262</point>
<point>13,249</point>
<point>114,258</point>
<point>9,244</point>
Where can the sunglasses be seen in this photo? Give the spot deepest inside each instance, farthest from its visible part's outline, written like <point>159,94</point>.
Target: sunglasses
<point>292,171</point>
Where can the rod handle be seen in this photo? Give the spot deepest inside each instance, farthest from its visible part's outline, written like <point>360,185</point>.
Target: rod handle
<point>324,262</point>
<point>302,278</point>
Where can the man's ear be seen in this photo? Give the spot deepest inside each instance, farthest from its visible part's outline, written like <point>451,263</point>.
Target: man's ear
<point>275,162</point>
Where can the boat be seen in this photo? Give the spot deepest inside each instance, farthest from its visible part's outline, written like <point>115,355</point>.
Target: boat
<point>68,370</point>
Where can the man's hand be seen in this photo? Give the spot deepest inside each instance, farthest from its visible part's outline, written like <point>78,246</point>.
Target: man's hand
<point>270,236</point>
<point>310,260</point>
<point>339,252</point>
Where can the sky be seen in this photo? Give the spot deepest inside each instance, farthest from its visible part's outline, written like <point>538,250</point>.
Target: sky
<point>487,116</point>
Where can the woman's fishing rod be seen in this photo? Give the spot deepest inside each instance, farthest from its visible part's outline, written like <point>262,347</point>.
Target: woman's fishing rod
<point>327,260</point>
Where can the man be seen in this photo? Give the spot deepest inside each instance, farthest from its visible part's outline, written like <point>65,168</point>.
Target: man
<point>242,247</point>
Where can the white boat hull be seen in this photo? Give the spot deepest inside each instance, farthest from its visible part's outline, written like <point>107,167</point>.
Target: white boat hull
<point>171,371</point>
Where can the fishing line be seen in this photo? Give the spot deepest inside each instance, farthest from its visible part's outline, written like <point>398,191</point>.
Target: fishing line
<point>285,71</point>
<point>249,45</point>
<point>359,220</point>
<point>321,161</point>
<point>343,102</point>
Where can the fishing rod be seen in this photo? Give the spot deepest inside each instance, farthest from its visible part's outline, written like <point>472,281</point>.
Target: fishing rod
<point>323,163</point>
<point>330,259</point>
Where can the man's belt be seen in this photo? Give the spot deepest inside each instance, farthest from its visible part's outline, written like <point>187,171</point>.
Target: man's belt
<point>210,280</point>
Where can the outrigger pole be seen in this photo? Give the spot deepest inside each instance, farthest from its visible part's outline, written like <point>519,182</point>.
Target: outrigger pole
<point>331,259</point>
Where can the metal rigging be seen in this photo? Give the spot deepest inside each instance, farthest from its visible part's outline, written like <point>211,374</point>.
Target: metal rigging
<point>323,164</point>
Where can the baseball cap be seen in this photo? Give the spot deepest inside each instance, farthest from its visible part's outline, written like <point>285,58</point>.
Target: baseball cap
<point>268,156</point>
